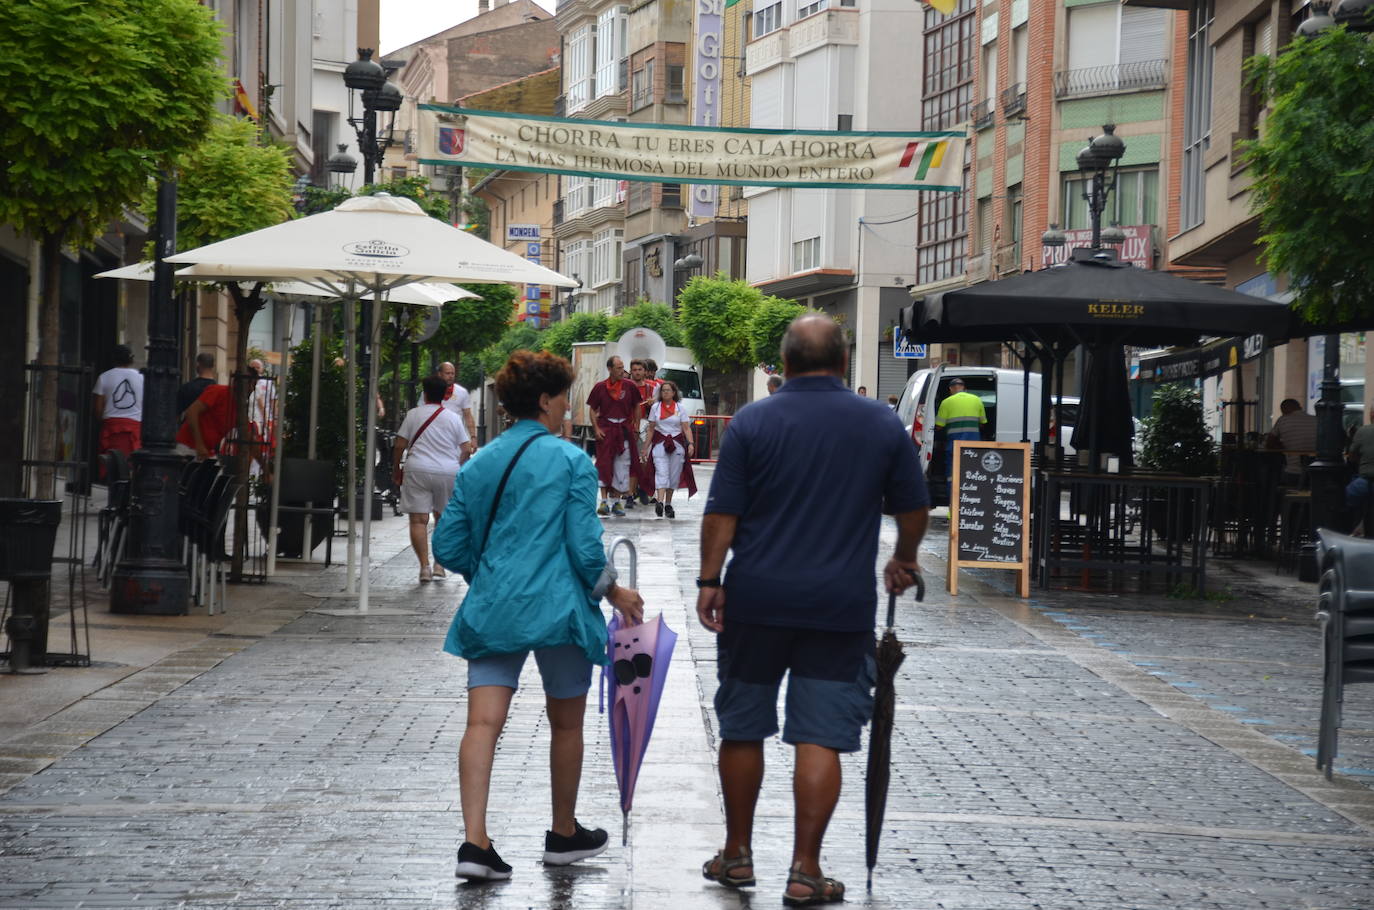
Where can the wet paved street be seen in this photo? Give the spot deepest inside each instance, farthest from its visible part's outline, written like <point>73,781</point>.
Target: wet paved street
<point>1070,752</point>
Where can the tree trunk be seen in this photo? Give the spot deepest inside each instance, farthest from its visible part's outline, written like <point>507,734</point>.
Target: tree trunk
<point>49,338</point>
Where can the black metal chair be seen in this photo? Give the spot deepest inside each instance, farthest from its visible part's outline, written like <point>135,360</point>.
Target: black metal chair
<point>113,520</point>
<point>191,517</point>
<point>213,523</point>
<point>1346,616</point>
<point>307,493</point>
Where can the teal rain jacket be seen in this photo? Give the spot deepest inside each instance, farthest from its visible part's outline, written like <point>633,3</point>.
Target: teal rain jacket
<point>533,587</point>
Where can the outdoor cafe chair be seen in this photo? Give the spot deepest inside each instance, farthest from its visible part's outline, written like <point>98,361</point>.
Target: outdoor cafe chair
<point>214,522</point>
<point>1345,613</point>
<point>194,508</point>
<point>113,520</point>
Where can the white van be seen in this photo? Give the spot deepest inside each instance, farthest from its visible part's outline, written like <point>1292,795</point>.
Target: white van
<point>1002,392</point>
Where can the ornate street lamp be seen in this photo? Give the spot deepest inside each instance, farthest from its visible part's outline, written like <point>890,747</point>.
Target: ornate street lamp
<point>341,162</point>
<point>1053,237</point>
<point>1101,156</point>
<point>368,79</point>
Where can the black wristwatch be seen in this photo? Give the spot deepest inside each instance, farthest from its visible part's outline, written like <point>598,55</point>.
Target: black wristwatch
<point>708,582</point>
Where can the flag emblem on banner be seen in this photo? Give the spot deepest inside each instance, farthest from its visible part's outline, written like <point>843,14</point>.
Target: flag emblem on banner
<point>450,140</point>
<point>933,155</point>
<point>944,6</point>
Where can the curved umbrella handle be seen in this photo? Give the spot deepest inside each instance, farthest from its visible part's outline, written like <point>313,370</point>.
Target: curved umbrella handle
<point>634,558</point>
<point>920,581</point>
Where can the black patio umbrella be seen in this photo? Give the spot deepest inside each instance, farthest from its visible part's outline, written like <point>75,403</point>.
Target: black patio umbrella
<point>889,657</point>
<point>1094,297</point>
<point>1105,425</point>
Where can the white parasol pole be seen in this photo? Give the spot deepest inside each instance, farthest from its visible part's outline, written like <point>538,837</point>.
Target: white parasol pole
<point>351,378</point>
<point>276,436</point>
<point>370,445</point>
<point>309,524</point>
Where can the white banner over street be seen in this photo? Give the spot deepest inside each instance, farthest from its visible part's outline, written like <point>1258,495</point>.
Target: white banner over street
<point>668,153</point>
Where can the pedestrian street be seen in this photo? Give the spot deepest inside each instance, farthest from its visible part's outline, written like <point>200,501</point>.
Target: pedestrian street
<point>1073,751</point>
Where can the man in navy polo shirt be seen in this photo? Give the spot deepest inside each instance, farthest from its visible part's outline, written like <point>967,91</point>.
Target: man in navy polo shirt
<point>798,494</point>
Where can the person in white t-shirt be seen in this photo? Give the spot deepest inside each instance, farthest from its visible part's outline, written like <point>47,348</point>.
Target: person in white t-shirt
<point>430,439</point>
<point>671,446</point>
<point>118,397</point>
<point>457,399</point>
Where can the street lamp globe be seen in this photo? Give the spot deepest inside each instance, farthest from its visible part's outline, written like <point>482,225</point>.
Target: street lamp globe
<point>1114,235</point>
<point>1053,237</point>
<point>387,98</point>
<point>1108,146</point>
<point>1356,15</point>
<point>364,74</point>
<point>341,162</point>
<point>1319,21</point>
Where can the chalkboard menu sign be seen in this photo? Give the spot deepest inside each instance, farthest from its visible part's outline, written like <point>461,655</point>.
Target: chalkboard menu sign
<point>989,510</point>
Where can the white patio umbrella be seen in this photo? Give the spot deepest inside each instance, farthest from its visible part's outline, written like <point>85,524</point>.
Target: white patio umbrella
<point>367,244</point>
<point>431,294</point>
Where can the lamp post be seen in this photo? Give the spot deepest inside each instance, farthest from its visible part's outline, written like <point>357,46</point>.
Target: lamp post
<point>368,79</point>
<point>1327,471</point>
<point>151,578</point>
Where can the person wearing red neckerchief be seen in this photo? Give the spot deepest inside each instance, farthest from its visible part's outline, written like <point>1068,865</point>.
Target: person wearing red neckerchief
<point>670,448</point>
<point>642,473</point>
<point>614,404</point>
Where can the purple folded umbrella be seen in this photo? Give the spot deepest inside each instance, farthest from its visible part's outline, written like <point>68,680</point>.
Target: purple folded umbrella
<point>639,657</point>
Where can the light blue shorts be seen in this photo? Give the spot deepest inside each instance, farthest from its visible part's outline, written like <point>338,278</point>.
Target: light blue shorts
<point>565,670</point>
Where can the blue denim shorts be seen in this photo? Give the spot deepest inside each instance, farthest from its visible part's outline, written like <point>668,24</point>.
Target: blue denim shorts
<point>830,678</point>
<point>565,670</point>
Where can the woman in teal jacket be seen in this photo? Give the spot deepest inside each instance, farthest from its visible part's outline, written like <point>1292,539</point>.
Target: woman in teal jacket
<point>536,573</point>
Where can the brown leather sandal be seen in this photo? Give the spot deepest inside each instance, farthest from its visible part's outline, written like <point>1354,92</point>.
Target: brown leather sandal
<point>823,890</point>
<point>723,868</point>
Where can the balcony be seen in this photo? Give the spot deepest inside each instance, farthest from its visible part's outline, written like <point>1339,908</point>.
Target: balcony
<point>1120,77</point>
<point>1014,100</point>
<point>981,114</point>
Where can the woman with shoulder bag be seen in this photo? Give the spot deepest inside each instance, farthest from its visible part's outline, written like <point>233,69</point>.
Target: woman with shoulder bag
<point>522,530</point>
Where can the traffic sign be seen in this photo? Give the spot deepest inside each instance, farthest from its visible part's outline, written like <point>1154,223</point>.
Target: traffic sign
<point>902,348</point>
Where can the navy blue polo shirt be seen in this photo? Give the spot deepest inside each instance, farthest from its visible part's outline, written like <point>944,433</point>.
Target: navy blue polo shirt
<point>809,471</point>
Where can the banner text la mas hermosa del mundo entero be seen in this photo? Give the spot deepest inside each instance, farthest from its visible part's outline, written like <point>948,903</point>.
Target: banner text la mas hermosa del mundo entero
<point>668,153</point>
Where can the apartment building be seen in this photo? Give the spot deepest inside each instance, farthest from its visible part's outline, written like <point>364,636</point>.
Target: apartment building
<point>1213,224</point>
<point>841,65</point>
<point>1034,82</point>
<point>520,204</point>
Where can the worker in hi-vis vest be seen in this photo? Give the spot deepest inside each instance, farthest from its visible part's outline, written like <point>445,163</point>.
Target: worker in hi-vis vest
<point>962,415</point>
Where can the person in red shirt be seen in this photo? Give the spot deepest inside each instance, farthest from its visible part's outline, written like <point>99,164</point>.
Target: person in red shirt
<point>642,474</point>
<point>209,419</point>
<point>614,404</point>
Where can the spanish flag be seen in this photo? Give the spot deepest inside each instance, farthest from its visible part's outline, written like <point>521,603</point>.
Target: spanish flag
<point>943,6</point>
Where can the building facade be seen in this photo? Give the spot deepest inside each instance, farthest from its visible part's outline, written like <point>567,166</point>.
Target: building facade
<point>822,66</point>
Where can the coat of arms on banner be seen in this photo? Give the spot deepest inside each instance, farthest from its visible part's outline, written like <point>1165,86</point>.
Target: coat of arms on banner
<point>450,141</point>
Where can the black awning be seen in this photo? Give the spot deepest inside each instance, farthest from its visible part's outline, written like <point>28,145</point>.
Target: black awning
<point>1210,359</point>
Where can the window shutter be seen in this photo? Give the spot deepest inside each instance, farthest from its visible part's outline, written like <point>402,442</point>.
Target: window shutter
<point>1092,35</point>
<point>1142,34</point>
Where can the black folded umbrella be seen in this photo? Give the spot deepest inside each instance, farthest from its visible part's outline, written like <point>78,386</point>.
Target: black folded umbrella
<point>889,657</point>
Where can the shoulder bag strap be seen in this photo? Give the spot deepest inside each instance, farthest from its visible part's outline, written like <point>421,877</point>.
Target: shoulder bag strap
<point>496,501</point>
<point>420,432</point>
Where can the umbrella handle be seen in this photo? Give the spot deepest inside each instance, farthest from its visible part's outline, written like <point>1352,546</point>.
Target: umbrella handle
<point>634,558</point>
<point>920,581</point>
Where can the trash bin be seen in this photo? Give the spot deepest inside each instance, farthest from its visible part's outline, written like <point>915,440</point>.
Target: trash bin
<point>28,533</point>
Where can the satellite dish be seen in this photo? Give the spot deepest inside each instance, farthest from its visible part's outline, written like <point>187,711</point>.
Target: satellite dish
<point>640,344</point>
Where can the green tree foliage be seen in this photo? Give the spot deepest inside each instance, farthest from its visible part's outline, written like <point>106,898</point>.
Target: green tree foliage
<point>229,184</point>
<point>1313,170</point>
<point>770,321</point>
<point>579,327</point>
<point>1176,439</point>
<point>715,314</point>
<point>656,316</point>
<point>518,336</point>
<point>95,98</point>
<point>471,325</point>
<point>331,430</point>
<point>318,199</point>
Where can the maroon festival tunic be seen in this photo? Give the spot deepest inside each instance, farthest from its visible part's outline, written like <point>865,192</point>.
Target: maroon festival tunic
<point>608,407</point>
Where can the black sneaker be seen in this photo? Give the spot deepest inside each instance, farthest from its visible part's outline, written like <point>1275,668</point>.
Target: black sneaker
<point>481,865</point>
<point>668,510</point>
<point>562,851</point>
<point>645,499</point>
<point>658,509</point>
